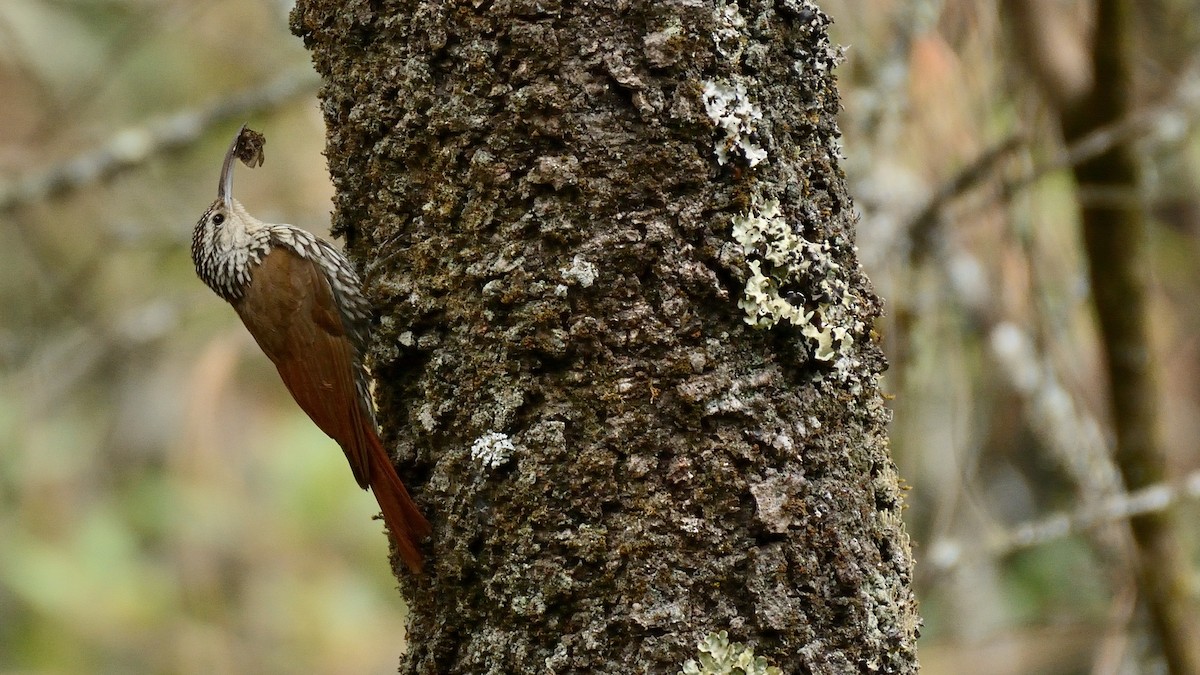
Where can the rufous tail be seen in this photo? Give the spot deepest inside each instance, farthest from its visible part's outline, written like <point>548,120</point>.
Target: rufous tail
<point>400,513</point>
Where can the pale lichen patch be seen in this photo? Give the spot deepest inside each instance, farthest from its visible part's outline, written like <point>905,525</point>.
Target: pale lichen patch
<point>732,111</point>
<point>492,449</point>
<point>719,656</point>
<point>580,272</point>
<point>729,37</point>
<point>780,261</point>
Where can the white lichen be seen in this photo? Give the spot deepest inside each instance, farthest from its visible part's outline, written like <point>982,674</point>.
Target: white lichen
<point>729,37</point>
<point>730,109</point>
<point>426,417</point>
<point>719,656</point>
<point>580,272</point>
<point>765,232</point>
<point>492,449</point>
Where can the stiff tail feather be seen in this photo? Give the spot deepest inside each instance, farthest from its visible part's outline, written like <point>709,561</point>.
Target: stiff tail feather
<point>400,513</point>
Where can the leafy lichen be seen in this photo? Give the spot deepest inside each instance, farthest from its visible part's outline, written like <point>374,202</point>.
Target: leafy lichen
<point>492,449</point>
<point>719,656</point>
<point>780,260</point>
<point>730,109</point>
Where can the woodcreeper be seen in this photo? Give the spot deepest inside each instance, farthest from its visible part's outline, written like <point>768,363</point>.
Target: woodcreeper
<point>302,302</point>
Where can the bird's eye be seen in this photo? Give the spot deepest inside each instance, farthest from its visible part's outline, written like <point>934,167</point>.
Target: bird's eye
<point>218,219</point>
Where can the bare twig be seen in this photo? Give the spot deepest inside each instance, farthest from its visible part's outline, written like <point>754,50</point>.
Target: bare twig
<point>924,224</point>
<point>1180,113</point>
<point>132,147</point>
<point>947,554</point>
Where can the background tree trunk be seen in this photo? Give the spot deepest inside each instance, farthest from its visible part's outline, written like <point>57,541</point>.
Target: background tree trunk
<point>1113,215</point>
<point>565,214</point>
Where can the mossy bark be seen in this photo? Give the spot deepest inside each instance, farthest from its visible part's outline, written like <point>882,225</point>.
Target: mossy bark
<point>532,192</point>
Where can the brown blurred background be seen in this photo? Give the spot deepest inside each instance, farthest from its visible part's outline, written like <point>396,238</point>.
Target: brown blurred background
<point>165,508</point>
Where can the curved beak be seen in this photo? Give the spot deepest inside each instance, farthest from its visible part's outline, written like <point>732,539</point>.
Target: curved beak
<point>225,188</point>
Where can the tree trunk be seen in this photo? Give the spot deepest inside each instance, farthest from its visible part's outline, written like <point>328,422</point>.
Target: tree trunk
<point>569,216</point>
<point>1115,239</point>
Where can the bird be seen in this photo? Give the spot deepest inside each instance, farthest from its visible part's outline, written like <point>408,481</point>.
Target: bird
<point>302,301</point>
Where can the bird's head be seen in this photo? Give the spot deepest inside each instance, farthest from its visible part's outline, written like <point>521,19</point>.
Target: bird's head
<point>226,213</point>
<point>227,238</point>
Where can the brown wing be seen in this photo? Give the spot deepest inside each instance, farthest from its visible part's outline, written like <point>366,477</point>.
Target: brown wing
<point>289,309</point>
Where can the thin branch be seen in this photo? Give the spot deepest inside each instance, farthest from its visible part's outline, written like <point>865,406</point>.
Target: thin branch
<point>922,227</point>
<point>134,146</point>
<point>1115,241</point>
<point>947,554</point>
<point>1177,115</point>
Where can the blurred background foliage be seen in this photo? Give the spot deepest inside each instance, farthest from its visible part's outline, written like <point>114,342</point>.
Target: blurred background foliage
<point>165,508</point>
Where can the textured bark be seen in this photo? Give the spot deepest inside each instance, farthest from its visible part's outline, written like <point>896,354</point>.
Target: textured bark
<point>533,191</point>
